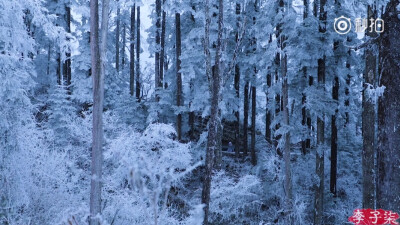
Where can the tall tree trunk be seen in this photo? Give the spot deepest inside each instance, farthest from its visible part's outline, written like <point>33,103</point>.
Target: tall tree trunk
<point>286,152</point>
<point>48,59</point>
<point>178,73</point>
<point>268,114</point>
<point>304,97</point>
<point>245,118</point>
<point>286,122</point>
<point>254,93</point>
<point>214,127</point>
<point>162,53</point>
<point>277,64</point>
<point>211,138</point>
<point>132,53</point>
<point>138,54</point>
<point>253,126</point>
<point>191,86</point>
<point>237,88</point>
<point>334,139</point>
<point>368,127</point>
<point>347,89</point>
<point>98,67</point>
<point>158,82</point>
<point>191,123</point>
<point>123,46</point>
<point>388,187</point>
<point>309,122</point>
<point>67,63</point>
<point>334,131</point>
<point>58,70</point>
<point>117,29</point>
<point>320,152</point>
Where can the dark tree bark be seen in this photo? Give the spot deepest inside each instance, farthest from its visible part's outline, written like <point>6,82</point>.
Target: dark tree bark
<point>117,29</point>
<point>123,46</point>
<point>253,126</point>
<point>191,86</point>
<point>214,126</point>
<point>58,70</point>
<point>138,88</point>
<point>245,118</point>
<point>237,89</point>
<point>320,152</point>
<point>304,115</point>
<point>158,82</point>
<point>347,89</point>
<point>334,130</point>
<point>132,53</point>
<point>368,127</point>
<point>268,114</point>
<point>278,100</point>
<point>67,63</point>
<point>191,123</point>
<point>178,73</point>
<point>388,157</point>
<point>254,94</point>
<point>48,59</point>
<point>304,97</point>
<point>334,139</point>
<point>309,122</point>
<point>162,52</point>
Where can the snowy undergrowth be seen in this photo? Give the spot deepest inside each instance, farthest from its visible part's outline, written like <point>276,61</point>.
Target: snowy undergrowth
<point>140,170</point>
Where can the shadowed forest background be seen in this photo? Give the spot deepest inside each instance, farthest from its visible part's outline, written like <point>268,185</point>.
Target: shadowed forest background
<point>221,112</point>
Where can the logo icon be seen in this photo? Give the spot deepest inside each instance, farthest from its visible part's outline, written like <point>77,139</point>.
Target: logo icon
<point>342,25</point>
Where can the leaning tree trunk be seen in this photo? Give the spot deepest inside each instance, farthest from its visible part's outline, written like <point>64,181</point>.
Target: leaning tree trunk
<point>320,152</point>
<point>215,86</point>
<point>388,186</point>
<point>368,127</point>
<point>98,69</point>
<point>178,73</point>
<point>132,53</point>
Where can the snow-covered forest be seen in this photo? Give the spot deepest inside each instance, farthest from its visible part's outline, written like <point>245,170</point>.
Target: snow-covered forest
<point>120,112</point>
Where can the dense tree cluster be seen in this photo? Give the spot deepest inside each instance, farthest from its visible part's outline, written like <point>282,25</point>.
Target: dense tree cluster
<point>251,112</point>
